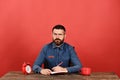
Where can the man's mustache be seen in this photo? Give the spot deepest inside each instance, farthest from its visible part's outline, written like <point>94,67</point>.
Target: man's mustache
<point>57,39</point>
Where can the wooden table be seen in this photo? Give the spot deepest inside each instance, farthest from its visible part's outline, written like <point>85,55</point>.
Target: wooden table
<point>18,75</point>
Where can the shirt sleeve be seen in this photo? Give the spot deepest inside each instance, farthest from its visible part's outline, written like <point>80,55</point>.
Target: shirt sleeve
<point>76,64</point>
<point>39,61</point>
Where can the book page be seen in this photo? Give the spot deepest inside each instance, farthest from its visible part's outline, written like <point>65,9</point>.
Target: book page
<point>58,72</point>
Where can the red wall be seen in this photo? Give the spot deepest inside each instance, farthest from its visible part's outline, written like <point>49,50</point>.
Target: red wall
<point>93,27</point>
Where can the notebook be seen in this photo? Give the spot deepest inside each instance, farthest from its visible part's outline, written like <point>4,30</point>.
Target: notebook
<point>58,72</point>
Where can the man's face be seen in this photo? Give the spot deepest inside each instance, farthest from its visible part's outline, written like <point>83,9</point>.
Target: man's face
<point>58,36</point>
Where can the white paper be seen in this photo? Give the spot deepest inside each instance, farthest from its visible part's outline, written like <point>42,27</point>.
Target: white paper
<point>58,72</point>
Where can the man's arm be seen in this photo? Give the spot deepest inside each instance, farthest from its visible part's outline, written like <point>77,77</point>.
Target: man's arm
<point>75,67</point>
<point>39,61</point>
<point>75,61</point>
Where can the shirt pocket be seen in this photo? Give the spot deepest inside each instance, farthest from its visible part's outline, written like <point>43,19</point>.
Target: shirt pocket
<point>50,59</point>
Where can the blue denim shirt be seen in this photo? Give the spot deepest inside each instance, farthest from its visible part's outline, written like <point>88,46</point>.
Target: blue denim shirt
<point>51,56</point>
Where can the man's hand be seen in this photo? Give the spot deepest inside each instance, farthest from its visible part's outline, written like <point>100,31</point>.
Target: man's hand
<point>45,71</point>
<point>59,68</point>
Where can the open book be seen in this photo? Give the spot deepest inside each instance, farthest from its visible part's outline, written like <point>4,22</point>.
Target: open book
<point>58,72</point>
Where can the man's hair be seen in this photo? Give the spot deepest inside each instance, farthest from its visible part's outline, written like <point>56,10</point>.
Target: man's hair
<point>59,26</point>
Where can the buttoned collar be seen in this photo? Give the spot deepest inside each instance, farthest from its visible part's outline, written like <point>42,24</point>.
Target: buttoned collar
<point>55,46</point>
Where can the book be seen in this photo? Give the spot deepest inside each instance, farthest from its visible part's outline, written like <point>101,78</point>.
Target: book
<point>58,72</point>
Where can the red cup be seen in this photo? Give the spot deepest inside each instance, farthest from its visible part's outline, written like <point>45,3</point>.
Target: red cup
<point>86,71</point>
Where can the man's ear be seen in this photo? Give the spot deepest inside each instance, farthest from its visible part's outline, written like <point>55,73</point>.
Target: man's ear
<point>65,35</point>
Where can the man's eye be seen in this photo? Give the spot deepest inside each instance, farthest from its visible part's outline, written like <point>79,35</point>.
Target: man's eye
<point>59,34</point>
<point>55,34</point>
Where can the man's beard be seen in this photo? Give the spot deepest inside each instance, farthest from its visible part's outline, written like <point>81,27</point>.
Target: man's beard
<point>58,41</point>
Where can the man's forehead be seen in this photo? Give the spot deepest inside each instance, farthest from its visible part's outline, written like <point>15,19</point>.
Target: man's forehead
<point>58,31</point>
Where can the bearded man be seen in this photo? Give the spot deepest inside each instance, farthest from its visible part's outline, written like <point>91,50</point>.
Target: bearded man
<point>57,56</point>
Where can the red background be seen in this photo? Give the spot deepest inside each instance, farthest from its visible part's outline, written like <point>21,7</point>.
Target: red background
<point>93,27</point>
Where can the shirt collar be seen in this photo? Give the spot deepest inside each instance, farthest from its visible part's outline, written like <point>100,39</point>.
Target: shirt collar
<point>61,46</point>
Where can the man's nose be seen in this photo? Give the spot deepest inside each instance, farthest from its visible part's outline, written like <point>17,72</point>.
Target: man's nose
<point>57,36</point>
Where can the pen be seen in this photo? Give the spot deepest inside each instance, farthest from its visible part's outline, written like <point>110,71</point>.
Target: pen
<point>59,63</point>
